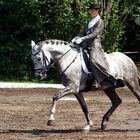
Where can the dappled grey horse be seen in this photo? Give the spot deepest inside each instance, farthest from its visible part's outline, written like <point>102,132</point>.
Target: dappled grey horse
<point>68,61</point>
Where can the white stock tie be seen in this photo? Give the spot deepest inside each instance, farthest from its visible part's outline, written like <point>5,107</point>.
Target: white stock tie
<point>93,22</point>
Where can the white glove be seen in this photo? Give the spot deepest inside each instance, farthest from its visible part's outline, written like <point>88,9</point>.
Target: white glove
<point>78,41</point>
<point>74,39</point>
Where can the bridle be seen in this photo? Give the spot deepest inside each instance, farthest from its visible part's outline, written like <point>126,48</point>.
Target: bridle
<point>46,67</point>
<point>44,64</point>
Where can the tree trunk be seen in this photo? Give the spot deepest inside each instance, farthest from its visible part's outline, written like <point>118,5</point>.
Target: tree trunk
<point>107,6</point>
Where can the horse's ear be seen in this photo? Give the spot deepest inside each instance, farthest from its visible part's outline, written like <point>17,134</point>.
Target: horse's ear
<point>32,43</point>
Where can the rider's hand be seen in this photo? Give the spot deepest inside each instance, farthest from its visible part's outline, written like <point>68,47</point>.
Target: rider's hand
<point>78,41</point>
<point>74,39</point>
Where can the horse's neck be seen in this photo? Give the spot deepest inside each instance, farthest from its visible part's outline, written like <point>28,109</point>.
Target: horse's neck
<point>63,53</point>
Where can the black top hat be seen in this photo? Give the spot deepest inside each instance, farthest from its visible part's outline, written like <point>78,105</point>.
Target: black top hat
<point>94,6</point>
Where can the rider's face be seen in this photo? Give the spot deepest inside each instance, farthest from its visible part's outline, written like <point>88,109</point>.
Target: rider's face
<point>94,12</point>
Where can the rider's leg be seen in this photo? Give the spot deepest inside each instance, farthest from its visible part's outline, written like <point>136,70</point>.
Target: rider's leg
<point>100,67</point>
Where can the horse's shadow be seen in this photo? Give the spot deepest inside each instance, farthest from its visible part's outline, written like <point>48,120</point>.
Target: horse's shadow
<point>64,131</point>
<point>39,131</point>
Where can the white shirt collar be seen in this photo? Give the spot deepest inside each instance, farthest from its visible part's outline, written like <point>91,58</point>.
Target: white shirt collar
<point>93,22</point>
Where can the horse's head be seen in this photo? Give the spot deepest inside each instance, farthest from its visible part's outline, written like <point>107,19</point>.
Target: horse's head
<point>41,60</point>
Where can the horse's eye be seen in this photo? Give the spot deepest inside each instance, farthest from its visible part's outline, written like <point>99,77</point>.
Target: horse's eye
<point>39,59</point>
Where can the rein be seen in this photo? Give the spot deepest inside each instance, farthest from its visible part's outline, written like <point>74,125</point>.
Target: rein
<point>62,57</point>
<point>45,58</point>
<point>69,64</point>
<point>57,59</point>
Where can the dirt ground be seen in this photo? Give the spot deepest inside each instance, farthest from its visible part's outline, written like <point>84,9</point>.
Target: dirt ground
<point>24,114</point>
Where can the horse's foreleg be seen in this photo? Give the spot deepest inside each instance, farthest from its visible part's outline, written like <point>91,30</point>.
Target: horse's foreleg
<point>115,100</point>
<point>82,102</point>
<point>56,97</point>
<point>52,112</point>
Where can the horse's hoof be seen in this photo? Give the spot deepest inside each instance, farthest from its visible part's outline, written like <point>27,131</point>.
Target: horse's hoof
<point>104,126</point>
<point>86,129</point>
<point>50,122</point>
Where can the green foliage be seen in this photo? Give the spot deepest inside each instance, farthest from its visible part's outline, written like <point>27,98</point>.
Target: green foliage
<point>25,20</point>
<point>114,30</point>
<point>132,31</point>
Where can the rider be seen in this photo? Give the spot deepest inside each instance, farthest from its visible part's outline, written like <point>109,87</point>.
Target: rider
<point>91,37</point>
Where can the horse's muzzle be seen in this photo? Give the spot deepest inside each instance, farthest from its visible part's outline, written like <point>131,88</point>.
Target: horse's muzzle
<point>40,75</point>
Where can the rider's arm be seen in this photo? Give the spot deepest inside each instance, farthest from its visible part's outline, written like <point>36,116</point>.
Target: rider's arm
<point>99,28</point>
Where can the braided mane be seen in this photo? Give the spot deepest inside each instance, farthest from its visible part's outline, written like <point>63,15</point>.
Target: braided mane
<point>53,42</point>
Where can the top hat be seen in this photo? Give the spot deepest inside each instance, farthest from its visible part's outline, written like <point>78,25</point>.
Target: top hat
<point>94,6</point>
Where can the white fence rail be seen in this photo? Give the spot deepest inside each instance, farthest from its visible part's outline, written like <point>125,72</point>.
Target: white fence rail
<point>29,85</point>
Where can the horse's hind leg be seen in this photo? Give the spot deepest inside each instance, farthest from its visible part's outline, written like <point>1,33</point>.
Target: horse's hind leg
<point>133,85</point>
<point>82,102</point>
<point>115,100</point>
